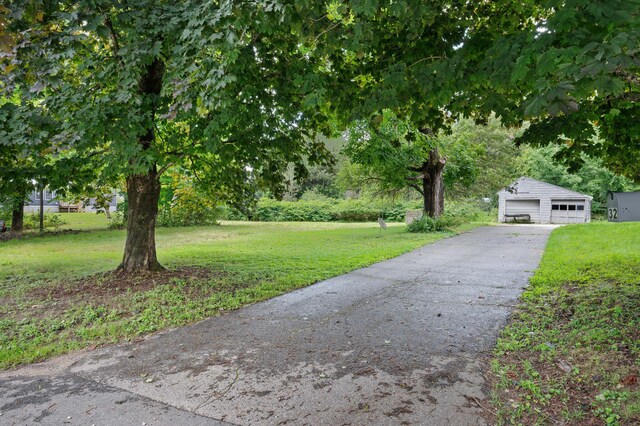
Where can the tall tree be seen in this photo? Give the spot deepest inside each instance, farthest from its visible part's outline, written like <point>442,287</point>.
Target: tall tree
<point>233,90</point>
<point>404,57</point>
<point>492,154</point>
<point>395,155</point>
<point>568,66</point>
<point>22,166</point>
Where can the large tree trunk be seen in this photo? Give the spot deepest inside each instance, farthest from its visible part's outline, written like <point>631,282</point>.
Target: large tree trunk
<point>17,219</point>
<point>143,192</point>
<point>433,184</point>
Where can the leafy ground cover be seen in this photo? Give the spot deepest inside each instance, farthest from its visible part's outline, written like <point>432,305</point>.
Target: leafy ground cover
<point>571,354</point>
<point>57,294</point>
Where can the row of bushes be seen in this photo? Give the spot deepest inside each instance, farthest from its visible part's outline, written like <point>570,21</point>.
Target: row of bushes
<point>268,210</point>
<point>329,210</point>
<point>172,217</point>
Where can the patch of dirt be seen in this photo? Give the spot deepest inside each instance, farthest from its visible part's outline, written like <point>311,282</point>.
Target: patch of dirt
<point>101,289</point>
<point>6,236</point>
<point>108,283</point>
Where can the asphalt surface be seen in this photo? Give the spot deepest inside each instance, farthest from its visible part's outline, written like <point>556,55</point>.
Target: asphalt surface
<point>403,341</point>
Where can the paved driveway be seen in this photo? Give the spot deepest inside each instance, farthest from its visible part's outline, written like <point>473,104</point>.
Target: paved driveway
<point>400,342</point>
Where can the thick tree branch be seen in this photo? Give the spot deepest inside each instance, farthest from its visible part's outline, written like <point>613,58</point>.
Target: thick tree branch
<point>417,188</point>
<point>114,36</point>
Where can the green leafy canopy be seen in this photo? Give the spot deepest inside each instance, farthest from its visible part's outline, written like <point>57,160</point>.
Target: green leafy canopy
<point>219,87</point>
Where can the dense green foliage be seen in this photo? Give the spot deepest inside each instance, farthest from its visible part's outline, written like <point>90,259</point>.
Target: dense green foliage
<point>392,154</point>
<point>55,221</point>
<point>428,224</point>
<point>52,304</point>
<point>490,159</point>
<point>328,210</point>
<point>590,178</point>
<point>455,215</point>
<point>220,86</point>
<point>571,68</point>
<point>571,353</point>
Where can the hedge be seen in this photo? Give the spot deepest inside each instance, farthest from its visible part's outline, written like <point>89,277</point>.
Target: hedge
<point>268,210</point>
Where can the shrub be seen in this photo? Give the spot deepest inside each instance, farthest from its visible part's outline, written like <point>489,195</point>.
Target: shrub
<point>466,211</point>
<point>428,224</point>
<point>32,221</point>
<point>356,211</point>
<point>118,219</point>
<point>446,222</point>
<point>314,195</point>
<point>324,210</point>
<point>293,211</point>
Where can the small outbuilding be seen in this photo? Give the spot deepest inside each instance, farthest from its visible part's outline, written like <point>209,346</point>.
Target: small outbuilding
<point>529,200</point>
<point>623,206</point>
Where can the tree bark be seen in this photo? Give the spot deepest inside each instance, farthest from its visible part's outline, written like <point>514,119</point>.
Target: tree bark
<point>143,192</point>
<point>433,184</point>
<point>17,220</point>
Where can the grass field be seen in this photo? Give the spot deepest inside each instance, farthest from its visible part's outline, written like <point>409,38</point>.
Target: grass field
<point>572,352</point>
<point>84,221</point>
<point>56,294</point>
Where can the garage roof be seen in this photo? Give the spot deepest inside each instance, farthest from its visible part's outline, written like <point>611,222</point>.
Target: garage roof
<point>532,187</point>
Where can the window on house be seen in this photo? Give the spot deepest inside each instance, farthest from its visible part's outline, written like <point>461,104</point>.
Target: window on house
<point>555,207</point>
<point>580,208</point>
<point>563,207</point>
<point>572,207</point>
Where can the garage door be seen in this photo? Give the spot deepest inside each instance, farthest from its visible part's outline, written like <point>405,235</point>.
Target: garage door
<point>568,211</point>
<point>530,207</point>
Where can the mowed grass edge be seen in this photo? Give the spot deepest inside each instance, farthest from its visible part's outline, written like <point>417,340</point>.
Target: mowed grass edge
<point>57,296</point>
<point>571,354</point>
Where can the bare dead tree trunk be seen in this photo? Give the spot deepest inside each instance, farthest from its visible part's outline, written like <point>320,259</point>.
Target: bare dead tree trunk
<point>433,184</point>
<point>143,191</point>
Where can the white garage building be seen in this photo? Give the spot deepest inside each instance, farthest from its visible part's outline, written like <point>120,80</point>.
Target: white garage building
<point>538,202</point>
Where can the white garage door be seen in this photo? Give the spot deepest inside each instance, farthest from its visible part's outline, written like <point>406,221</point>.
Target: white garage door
<point>530,207</point>
<point>568,211</point>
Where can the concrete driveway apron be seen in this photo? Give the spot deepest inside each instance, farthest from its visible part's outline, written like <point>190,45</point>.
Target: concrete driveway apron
<point>403,341</point>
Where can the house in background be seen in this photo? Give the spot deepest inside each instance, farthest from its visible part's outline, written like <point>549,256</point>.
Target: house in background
<point>533,201</point>
<point>53,205</point>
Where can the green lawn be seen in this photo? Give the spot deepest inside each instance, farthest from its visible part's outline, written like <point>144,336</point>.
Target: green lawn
<point>84,221</point>
<point>572,352</point>
<point>53,298</point>
<point>74,221</point>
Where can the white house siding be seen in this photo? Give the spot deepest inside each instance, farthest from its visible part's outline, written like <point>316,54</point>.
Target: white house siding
<point>530,189</point>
